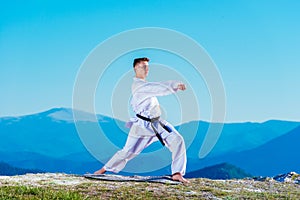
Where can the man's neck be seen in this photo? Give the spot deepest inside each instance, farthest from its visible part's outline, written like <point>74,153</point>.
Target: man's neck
<point>140,77</point>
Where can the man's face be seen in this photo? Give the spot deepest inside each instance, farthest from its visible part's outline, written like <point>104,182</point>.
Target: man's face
<point>142,68</point>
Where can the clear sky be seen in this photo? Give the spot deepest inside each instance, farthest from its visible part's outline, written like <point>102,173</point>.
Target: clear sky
<point>255,45</point>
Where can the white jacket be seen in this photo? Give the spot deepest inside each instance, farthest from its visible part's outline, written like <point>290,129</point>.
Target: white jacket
<point>144,101</point>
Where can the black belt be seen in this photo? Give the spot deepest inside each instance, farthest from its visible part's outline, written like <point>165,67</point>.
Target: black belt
<point>154,129</point>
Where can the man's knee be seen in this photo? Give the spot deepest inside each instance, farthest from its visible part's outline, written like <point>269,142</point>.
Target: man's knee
<point>178,138</point>
<point>176,141</point>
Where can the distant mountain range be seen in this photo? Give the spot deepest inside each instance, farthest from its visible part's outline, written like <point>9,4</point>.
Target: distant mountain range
<point>8,170</point>
<point>49,141</point>
<point>220,171</point>
<point>279,155</point>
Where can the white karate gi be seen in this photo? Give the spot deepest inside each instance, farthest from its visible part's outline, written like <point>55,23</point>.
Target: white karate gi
<point>141,135</point>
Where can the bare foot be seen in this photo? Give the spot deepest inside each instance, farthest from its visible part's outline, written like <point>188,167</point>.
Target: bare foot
<point>179,177</point>
<point>100,171</point>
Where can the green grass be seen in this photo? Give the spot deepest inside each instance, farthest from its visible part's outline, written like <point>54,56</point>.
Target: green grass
<point>24,192</point>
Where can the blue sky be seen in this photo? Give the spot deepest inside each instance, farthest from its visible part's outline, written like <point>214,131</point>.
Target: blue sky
<point>255,45</point>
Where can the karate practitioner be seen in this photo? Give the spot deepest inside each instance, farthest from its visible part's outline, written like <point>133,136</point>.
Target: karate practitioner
<point>147,127</point>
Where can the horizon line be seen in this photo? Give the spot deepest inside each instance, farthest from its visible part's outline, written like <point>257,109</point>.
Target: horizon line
<point>201,120</point>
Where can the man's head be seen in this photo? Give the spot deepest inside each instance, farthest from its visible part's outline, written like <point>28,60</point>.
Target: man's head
<point>141,67</point>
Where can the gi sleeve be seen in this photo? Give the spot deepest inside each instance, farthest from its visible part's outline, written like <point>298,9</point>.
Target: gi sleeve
<point>151,89</point>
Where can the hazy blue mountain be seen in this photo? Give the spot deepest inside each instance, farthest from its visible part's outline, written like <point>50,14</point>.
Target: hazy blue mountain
<point>48,164</point>
<point>219,171</point>
<point>280,155</point>
<point>49,141</point>
<point>50,133</point>
<point>81,157</point>
<point>8,170</point>
<point>237,137</point>
<point>39,133</point>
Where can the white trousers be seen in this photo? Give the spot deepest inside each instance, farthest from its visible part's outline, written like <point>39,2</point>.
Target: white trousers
<point>141,137</point>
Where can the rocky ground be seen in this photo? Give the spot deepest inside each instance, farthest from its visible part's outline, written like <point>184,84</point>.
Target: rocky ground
<point>63,186</point>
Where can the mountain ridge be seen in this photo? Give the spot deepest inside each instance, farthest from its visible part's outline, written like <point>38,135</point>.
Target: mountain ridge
<point>58,139</point>
<point>8,170</point>
<point>219,171</point>
<point>68,109</point>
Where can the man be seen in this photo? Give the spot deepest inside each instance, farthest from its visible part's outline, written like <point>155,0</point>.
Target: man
<point>146,127</point>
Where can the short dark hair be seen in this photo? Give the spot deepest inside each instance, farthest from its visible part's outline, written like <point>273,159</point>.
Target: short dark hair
<point>137,60</point>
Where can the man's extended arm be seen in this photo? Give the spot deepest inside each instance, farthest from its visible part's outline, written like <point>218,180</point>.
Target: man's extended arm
<point>150,89</point>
